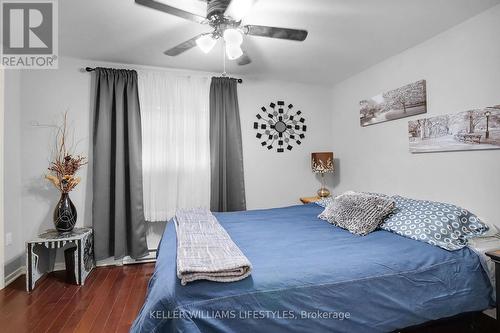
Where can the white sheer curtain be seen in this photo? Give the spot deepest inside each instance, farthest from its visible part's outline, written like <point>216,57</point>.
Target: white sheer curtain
<point>175,142</point>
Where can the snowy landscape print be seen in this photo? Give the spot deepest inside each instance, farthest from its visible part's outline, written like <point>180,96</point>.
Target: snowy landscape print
<point>403,102</point>
<point>469,130</point>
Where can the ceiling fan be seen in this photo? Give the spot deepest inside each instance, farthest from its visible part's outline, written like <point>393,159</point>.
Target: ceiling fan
<point>224,16</point>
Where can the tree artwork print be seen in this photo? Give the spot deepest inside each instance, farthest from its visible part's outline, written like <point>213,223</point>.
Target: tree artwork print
<point>403,102</point>
<point>470,130</point>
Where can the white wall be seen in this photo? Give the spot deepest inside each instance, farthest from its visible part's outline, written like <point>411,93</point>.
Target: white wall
<point>2,141</point>
<point>279,179</point>
<point>462,69</point>
<point>13,224</point>
<point>46,95</point>
<point>271,179</point>
<point>35,102</point>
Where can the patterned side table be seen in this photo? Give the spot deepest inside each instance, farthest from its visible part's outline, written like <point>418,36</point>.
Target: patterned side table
<point>78,252</point>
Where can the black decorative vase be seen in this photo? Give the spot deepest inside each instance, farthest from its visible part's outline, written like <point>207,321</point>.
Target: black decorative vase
<point>65,214</point>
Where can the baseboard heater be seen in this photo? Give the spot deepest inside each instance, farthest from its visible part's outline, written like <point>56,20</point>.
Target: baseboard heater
<point>151,257</point>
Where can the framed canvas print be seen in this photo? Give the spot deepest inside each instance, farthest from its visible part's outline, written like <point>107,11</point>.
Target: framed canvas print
<point>470,130</point>
<point>399,103</point>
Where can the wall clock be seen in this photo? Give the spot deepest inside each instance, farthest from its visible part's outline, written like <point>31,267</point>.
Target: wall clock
<point>279,126</point>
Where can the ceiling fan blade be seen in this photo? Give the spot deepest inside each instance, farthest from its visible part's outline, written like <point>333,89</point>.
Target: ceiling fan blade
<point>182,47</point>
<point>244,59</point>
<point>238,9</point>
<point>171,10</point>
<point>273,32</point>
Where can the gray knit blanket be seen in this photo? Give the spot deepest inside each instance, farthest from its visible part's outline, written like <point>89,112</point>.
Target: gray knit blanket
<point>205,251</point>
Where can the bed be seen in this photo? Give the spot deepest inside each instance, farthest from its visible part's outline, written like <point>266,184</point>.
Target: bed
<point>309,275</point>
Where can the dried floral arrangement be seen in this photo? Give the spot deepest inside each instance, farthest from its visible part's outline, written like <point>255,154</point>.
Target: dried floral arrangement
<point>65,164</point>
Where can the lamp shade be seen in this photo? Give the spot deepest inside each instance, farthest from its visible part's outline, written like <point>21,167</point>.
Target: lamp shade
<point>233,51</point>
<point>206,43</point>
<point>322,162</point>
<point>233,37</point>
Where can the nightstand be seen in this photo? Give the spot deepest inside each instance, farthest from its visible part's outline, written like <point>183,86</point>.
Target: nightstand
<point>495,256</point>
<point>78,252</point>
<point>308,200</point>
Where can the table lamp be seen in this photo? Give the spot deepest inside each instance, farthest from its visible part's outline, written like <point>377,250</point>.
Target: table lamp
<point>322,163</point>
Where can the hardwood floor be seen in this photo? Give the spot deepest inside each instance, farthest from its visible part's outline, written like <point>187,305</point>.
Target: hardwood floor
<point>475,322</point>
<point>109,302</point>
<point>112,297</point>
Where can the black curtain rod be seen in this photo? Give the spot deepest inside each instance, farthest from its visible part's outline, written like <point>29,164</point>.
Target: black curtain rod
<point>90,69</point>
<point>237,80</point>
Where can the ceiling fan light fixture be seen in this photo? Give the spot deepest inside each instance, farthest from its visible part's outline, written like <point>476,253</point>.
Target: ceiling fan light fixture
<point>233,51</point>
<point>206,43</point>
<point>233,37</point>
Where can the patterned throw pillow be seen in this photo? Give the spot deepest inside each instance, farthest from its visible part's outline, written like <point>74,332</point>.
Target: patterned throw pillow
<point>324,202</point>
<point>359,213</point>
<point>436,223</point>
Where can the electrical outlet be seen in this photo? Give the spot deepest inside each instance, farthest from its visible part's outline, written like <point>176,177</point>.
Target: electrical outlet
<point>8,238</point>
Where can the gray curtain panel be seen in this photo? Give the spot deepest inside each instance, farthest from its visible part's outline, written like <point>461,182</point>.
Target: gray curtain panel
<point>117,206</point>
<point>226,154</point>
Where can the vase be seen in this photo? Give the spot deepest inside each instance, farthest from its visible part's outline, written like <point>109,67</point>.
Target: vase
<point>65,214</point>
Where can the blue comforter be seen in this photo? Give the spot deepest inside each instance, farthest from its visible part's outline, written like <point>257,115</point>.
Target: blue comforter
<point>310,276</point>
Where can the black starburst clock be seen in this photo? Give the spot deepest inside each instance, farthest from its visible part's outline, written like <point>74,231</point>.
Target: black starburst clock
<point>279,126</point>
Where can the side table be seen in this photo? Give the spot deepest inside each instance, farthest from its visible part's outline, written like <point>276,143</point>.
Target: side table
<point>308,200</point>
<point>78,248</point>
<point>495,256</point>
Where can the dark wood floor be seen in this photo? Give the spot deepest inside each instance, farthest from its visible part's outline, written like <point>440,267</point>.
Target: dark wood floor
<point>466,323</point>
<point>112,297</point>
<point>109,302</point>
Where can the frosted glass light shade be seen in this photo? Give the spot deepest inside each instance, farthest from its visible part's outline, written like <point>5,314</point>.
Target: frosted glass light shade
<point>233,37</point>
<point>233,51</point>
<point>206,43</point>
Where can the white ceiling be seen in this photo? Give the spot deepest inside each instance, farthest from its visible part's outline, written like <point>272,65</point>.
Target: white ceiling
<point>345,36</point>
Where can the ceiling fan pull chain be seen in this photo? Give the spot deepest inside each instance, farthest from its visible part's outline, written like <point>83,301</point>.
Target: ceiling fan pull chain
<point>224,57</point>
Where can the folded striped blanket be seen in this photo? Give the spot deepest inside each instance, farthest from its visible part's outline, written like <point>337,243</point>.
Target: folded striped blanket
<point>205,251</point>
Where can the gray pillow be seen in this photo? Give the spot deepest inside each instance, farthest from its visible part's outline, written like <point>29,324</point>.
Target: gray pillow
<point>359,213</point>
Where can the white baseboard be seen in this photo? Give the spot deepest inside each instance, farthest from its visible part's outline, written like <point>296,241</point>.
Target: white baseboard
<point>14,275</point>
<point>60,266</point>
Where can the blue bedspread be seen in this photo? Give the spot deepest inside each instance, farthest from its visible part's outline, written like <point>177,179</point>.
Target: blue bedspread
<point>310,276</point>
